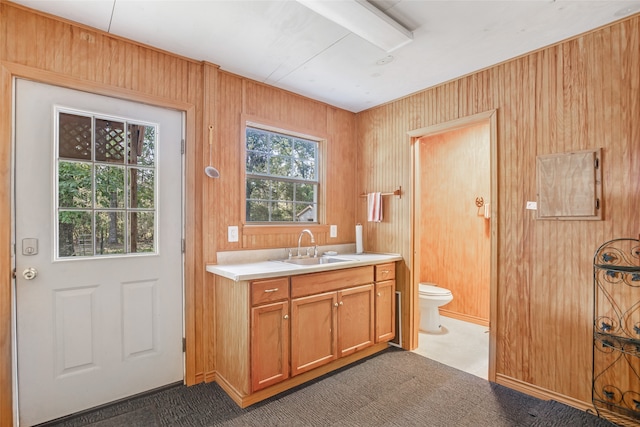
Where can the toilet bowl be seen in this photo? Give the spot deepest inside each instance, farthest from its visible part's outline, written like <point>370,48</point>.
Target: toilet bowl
<point>431,297</point>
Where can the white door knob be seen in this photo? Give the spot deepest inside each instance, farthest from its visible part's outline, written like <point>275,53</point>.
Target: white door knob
<point>30,273</point>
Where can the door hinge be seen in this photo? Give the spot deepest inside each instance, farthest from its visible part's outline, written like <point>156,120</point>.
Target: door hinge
<point>182,146</point>
<point>184,246</point>
<point>184,345</point>
<point>597,163</point>
<point>597,203</point>
<point>13,273</point>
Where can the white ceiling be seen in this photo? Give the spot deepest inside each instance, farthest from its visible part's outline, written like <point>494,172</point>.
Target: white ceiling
<point>285,44</point>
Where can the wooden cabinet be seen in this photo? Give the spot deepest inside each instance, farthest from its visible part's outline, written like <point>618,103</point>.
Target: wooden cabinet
<point>313,331</point>
<point>334,323</point>
<point>269,332</point>
<point>274,334</point>
<point>385,295</point>
<point>355,319</point>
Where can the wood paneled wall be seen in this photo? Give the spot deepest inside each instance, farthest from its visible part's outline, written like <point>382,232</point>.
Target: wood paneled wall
<point>580,94</point>
<point>243,100</point>
<point>37,46</point>
<point>453,235</point>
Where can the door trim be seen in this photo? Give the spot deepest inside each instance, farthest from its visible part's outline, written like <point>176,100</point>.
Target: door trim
<point>192,276</point>
<point>489,117</point>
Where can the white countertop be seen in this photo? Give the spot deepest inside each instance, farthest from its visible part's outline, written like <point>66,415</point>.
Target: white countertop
<point>266,269</point>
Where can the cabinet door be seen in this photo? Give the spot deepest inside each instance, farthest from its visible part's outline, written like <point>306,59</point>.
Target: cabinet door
<point>313,331</point>
<point>355,319</point>
<point>385,310</point>
<point>269,344</point>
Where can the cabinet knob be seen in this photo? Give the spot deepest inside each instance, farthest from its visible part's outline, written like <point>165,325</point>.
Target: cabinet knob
<point>379,294</point>
<point>335,305</point>
<point>286,316</point>
<point>341,303</point>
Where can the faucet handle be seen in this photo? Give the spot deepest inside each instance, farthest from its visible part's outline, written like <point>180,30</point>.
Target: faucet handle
<point>315,251</point>
<point>288,251</point>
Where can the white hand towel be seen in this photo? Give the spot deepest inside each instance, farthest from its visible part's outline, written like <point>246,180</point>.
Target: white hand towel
<point>374,207</point>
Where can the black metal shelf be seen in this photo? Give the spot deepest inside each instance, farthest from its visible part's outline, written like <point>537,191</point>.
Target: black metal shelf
<point>618,268</point>
<point>616,332</point>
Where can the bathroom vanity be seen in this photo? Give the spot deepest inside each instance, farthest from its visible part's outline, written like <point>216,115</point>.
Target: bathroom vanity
<point>279,325</point>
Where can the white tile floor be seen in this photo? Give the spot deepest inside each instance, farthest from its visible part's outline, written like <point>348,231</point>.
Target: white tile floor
<point>462,345</point>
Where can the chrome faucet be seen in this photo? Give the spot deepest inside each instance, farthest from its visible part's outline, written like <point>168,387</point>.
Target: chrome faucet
<point>300,238</point>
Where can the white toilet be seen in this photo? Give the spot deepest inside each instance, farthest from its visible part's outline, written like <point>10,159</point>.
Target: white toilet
<point>432,297</point>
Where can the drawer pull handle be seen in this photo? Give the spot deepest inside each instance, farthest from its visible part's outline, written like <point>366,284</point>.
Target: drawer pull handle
<point>386,271</point>
<point>271,290</point>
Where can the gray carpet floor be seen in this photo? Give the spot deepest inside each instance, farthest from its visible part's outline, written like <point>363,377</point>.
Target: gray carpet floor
<point>393,388</point>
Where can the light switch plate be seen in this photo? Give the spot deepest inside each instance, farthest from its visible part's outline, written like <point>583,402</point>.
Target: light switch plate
<point>232,233</point>
<point>532,206</point>
<point>333,231</point>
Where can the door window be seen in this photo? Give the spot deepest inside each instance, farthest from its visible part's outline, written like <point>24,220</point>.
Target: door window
<point>106,187</point>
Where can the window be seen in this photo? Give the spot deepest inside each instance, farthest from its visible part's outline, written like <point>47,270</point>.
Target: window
<point>105,186</point>
<point>281,177</point>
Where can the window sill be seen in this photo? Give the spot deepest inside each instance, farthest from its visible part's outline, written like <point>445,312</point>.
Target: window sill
<point>258,229</point>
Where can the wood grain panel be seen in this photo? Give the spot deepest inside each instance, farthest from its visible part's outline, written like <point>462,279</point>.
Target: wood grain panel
<point>577,95</point>
<point>312,283</point>
<point>232,333</point>
<point>6,257</point>
<point>243,100</point>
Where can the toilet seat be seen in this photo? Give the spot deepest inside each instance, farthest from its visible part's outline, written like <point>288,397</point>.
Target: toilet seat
<point>427,289</point>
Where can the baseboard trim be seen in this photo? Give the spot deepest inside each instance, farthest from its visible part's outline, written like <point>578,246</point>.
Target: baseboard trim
<point>243,400</point>
<point>464,317</point>
<point>542,393</point>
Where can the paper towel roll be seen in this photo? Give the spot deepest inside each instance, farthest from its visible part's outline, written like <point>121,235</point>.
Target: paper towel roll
<point>359,238</point>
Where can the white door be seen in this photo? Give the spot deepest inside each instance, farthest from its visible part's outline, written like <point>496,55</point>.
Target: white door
<point>98,232</point>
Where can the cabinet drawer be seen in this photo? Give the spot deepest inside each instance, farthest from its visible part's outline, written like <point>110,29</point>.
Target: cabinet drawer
<point>263,291</point>
<point>385,271</point>
<point>315,283</point>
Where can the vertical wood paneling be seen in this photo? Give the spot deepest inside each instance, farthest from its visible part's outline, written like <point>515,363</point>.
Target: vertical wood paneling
<point>583,93</point>
<point>6,398</point>
<point>580,94</point>
<point>39,47</point>
<point>238,98</point>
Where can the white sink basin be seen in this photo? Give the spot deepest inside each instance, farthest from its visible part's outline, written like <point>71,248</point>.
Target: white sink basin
<point>313,261</point>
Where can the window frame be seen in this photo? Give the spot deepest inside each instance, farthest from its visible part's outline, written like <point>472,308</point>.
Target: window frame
<point>257,228</point>
<point>93,208</point>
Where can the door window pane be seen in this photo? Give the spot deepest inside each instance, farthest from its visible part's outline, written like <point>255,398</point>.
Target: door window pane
<point>109,233</point>
<point>106,196</point>
<point>109,186</point>
<point>142,145</point>
<point>141,192</point>
<point>110,141</point>
<point>141,226</point>
<point>75,234</point>
<point>74,185</point>
<point>74,136</point>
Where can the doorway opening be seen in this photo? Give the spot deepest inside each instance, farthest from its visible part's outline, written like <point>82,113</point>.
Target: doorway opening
<point>454,239</point>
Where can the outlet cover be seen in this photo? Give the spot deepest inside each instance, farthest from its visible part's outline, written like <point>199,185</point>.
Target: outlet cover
<point>232,233</point>
<point>333,231</point>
